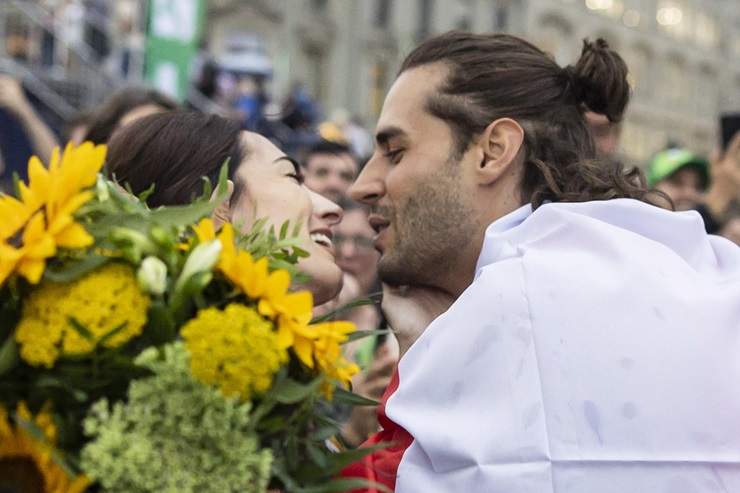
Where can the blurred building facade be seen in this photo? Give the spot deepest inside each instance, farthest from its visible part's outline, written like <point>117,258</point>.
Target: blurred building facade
<point>684,55</point>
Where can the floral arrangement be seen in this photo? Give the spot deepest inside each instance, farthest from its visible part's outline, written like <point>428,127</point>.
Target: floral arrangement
<point>144,351</point>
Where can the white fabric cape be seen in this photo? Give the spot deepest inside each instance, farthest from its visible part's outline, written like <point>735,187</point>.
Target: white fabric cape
<point>597,351</point>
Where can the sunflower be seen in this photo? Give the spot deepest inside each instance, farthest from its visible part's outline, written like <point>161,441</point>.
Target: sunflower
<point>26,462</point>
<point>46,210</point>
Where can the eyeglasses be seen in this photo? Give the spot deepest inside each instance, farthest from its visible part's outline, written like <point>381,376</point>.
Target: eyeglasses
<point>359,242</point>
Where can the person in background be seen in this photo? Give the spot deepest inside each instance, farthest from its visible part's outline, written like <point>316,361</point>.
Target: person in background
<point>731,228</point>
<point>124,107</point>
<point>330,168</point>
<point>691,184</point>
<point>13,100</point>
<point>353,240</point>
<point>76,128</point>
<point>249,103</point>
<point>606,133</point>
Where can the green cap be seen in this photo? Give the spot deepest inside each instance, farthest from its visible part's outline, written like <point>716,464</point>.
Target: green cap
<point>667,162</point>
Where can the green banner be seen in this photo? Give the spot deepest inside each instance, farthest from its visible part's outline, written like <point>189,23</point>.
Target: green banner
<point>173,32</point>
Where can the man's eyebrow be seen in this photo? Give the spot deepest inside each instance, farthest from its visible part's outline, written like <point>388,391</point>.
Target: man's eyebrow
<point>385,134</point>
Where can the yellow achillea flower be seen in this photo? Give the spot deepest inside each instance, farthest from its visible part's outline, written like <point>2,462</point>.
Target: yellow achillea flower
<point>25,458</point>
<point>292,311</point>
<point>235,349</point>
<point>60,192</point>
<point>327,351</point>
<point>105,300</point>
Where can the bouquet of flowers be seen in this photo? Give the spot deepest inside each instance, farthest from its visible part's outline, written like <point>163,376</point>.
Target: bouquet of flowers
<point>143,351</point>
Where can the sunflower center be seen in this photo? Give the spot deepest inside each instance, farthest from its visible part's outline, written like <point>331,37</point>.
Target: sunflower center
<point>20,475</point>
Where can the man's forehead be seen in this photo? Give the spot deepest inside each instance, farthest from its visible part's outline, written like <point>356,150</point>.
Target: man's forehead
<point>406,101</point>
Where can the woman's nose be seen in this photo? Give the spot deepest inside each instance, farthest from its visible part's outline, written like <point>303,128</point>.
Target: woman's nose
<point>326,210</point>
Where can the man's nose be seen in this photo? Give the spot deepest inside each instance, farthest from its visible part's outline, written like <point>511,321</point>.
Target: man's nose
<point>370,185</point>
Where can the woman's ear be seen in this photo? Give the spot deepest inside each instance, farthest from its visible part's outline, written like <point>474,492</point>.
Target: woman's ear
<point>501,142</point>
<point>222,212</point>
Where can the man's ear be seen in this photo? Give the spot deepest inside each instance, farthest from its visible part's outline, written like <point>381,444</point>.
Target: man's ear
<point>222,212</point>
<point>500,142</point>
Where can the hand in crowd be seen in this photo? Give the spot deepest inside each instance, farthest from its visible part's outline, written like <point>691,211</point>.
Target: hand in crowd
<point>370,383</point>
<point>409,310</point>
<point>725,171</point>
<point>12,97</point>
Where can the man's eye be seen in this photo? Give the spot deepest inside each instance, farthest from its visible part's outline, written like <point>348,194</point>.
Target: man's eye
<point>394,156</point>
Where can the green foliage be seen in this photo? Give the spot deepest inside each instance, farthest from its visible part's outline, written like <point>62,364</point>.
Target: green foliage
<point>174,434</point>
<point>148,425</point>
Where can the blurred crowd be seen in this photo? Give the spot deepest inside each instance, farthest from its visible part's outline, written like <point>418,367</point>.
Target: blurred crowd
<point>332,151</point>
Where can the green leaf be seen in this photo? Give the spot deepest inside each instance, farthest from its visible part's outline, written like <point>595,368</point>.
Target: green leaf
<point>317,455</point>
<point>271,425</point>
<point>346,397</point>
<point>335,463</point>
<point>371,299</point>
<point>112,333</point>
<point>284,230</point>
<point>324,433</point>
<point>81,329</point>
<point>181,216</point>
<point>345,484</point>
<point>8,354</point>
<point>361,334</point>
<point>161,324</point>
<point>146,193</point>
<point>75,269</point>
<point>289,391</point>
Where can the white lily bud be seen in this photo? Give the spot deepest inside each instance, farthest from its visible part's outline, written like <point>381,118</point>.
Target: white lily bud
<point>152,275</point>
<point>202,259</point>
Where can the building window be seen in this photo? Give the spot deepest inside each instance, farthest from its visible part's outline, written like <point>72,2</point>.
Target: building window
<point>426,10</point>
<point>501,16</point>
<point>464,21</point>
<point>319,5</point>
<point>379,77</point>
<point>382,13</point>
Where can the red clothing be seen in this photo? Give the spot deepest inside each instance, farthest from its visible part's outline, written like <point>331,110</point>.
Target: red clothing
<point>382,465</point>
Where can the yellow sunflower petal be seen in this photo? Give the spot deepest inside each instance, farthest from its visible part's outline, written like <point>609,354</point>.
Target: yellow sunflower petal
<point>204,230</point>
<point>284,336</point>
<point>256,282</point>
<point>304,350</point>
<point>74,236</point>
<point>32,269</point>
<point>277,283</point>
<point>9,258</point>
<point>298,305</point>
<point>14,214</point>
<point>75,202</point>
<point>39,181</point>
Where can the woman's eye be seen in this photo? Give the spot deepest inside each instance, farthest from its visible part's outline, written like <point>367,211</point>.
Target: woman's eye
<point>298,177</point>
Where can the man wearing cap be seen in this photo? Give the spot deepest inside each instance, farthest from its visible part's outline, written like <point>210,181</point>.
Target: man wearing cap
<point>685,178</point>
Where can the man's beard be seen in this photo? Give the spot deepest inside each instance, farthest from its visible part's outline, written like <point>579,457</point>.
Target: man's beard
<point>431,231</point>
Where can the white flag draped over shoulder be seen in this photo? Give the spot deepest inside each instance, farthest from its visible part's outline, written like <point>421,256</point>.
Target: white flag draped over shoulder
<point>597,351</point>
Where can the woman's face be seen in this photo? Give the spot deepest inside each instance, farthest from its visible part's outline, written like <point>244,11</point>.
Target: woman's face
<point>270,185</point>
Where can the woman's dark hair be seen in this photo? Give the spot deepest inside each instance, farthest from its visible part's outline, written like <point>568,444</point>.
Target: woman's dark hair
<point>493,76</point>
<point>174,151</point>
<point>104,121</point>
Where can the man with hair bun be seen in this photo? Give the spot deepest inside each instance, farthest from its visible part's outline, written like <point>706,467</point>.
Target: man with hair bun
<point>558,332</point>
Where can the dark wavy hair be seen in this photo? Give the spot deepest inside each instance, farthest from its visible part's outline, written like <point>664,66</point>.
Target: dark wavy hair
<point>103,122</point>
<point>174,151</point>
<point>493,76</point>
